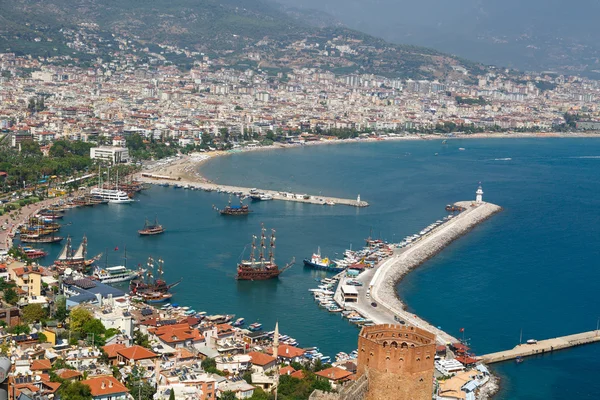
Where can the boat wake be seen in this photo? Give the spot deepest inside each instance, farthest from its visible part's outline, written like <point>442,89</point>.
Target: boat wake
<point>587,157</point>
<point>503,159</point>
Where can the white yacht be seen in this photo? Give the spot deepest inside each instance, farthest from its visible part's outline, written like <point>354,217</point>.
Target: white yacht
<point>111,195</point>
<point>115,274</point>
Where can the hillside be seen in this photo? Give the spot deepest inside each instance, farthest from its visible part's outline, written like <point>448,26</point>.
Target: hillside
<point>529,35</point>
<point>243,32</point>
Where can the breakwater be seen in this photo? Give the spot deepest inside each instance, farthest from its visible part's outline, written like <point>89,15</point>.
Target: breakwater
<point>384,281</point>
<point>542,347</point>
<point>245,191</point>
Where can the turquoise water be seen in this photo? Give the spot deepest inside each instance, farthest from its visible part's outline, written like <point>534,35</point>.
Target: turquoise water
<point>533,267</point>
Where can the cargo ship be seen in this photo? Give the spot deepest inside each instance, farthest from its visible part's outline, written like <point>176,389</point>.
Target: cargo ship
<point>261,268</point>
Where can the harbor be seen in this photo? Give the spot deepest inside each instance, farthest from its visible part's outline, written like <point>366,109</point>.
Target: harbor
<point>373,295</point>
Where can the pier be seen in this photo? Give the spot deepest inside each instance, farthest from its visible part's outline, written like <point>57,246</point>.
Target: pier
<point>542,347</point>
<point>276,195</point>
<point>379,284</point>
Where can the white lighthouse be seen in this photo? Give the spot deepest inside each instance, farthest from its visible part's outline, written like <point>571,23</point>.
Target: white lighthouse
<point>358,200</point>
<point>479,195</point>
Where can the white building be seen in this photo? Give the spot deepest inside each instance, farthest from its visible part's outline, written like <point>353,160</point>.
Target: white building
<point>113,154</point>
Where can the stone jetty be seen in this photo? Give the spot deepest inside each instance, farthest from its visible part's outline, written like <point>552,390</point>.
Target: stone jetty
<point>384,281</point>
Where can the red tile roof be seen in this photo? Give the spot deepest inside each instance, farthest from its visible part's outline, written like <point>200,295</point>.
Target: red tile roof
<point>261,359</point>
<point>40,365</point>
<point>287,370</point>
<point>287,351</point>
<point>334,373</point>
<point>68,373</point>
<point>105,386</point>
<point>112,349</point>
<point>298,374</point>
<point>136,353</point>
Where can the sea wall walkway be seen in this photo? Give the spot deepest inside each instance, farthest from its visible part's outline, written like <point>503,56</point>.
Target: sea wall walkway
<point>542,347</point>
<point>385,278</point>
<point>277,195</point>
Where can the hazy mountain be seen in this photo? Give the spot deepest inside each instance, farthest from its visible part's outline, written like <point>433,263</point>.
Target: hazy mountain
<point>527,34</point>
<point>232,30</point>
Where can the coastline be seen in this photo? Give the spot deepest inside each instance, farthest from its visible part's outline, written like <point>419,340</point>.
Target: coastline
<point>188,167</point>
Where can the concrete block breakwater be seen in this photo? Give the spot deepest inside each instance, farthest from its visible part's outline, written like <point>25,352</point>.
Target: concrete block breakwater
<point>385,280</point>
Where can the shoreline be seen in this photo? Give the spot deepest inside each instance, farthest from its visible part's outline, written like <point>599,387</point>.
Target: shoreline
<point>188,167</point>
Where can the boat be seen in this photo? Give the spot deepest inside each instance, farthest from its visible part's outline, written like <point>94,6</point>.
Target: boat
<point>151,280</point>
<point>329,203</point>
<point>113,196</point>
<point>461,148</point>
<point>255,327</point>
<point>519,359</point>
<point>32,253</point>
<point>39,238</point>
<point>239,322</point>
<point>454,208</point>
<point>116,274</point>
<point>261,268</point>
<point>324,264</point>
<point>242,209</point>
<point>155,297</point>
<point>75,259</point>
<point>151,229</point>
<point>261,196</point>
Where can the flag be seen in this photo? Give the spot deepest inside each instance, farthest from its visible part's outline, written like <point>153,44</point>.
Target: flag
<point>462,329</point>
<point>117,248</point>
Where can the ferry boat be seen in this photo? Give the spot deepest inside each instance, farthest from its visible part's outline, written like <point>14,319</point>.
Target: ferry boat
<point>242,209</point>
<point>116,274</point>
<point>255,327</point>
<point>261,268</point>
<point>32,253</point>
<point>37,238</point>
<point>113,196</point>
<point>324,264</point>
<point>151,229</point>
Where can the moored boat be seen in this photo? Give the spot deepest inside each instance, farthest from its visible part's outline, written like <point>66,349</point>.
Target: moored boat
<point>242,209</point>
<point>324,264</point>
<point>255,327</point>
<point>115,274</point>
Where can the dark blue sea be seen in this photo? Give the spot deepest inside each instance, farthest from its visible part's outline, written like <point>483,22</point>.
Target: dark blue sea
<point>534,267</point>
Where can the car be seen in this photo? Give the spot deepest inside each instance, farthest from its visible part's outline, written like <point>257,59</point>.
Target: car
<point>374,304</point>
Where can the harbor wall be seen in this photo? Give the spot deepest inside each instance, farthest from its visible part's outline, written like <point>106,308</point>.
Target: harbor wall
<point>385,281</point>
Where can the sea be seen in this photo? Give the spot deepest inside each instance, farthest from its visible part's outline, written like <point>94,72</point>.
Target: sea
<point>529,272</point>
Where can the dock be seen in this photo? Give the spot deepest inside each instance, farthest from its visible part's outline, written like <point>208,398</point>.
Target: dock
<point>276,195</point>
<point>542,347</point>
<point>382,280</point>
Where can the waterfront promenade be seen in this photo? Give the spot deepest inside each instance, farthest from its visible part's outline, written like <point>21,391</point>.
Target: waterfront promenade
<point>542,347</point>
<point>382,280</point>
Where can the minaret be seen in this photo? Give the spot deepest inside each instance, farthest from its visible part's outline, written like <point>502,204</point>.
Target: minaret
<point>276,341</point>
<point>479,195</point>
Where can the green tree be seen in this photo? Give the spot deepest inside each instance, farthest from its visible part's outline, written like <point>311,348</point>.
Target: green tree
<point>61,312</point>
<point>29,148</point>
<point>95,328</point>
<point>206,139</point>
<point>33,313</point>
<point>19,329</point>
<point>74,391</point>
<point>247,377</point>
<point>140,339</point>
<point>270,135</point>
<point>78,317</point>
<point>42,338</point>
<point>229,395</point>
<point>11,296</point>
<point>260,394</point>
<point>135,142</point>
<point>172,395</point>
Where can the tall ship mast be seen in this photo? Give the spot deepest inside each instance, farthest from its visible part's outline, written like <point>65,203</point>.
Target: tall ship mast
<point>263,268</point>
<point>152,282</point>
<point>242,209</point>
<point>75,259</point>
